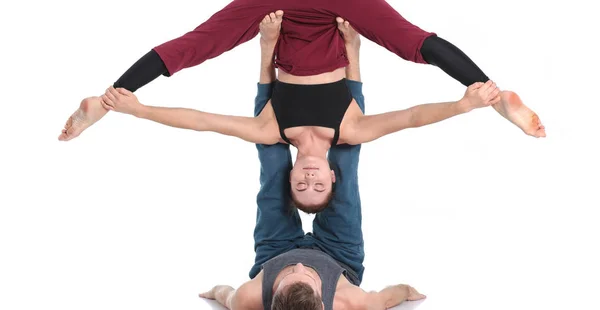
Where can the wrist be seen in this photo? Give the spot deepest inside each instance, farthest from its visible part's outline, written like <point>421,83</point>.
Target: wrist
<point>268,45</point>
<point>140,112</point>
<point>463,106</point>
<point>352,53</point>
<point>353,45</point>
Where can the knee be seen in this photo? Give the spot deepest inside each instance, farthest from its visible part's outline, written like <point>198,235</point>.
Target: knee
<point>430,45</point>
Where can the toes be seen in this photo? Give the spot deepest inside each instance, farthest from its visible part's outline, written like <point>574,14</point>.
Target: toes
<point>536,120</point>
<point>339,20</point>
<point>69,123</point>
<point>279,13</point>
<point>266,19</point>
<point>541,133</point>
<point>66,136</point>
<point>346,24</point>
<point>63,134</point>
<point>72,133</point>
<point>272,16</point>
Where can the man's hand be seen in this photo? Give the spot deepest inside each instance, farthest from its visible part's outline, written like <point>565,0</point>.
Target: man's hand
<point>480,95</point>
<point>412,293</point>
<point>121,100</point>
<point>394,295</point>
<point>221,293</point>
<point>217,291</point>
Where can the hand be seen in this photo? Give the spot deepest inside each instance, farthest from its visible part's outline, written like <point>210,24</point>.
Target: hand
<point>215,291</point>
<point>480,95</point>
<point>412,293</point>
<point>120,100</point>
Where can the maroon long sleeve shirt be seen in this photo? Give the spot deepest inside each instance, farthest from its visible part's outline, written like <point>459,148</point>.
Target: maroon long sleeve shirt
<point>309,43</point>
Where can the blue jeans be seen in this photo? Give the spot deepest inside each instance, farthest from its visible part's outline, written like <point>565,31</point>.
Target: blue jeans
<point>336,230</point>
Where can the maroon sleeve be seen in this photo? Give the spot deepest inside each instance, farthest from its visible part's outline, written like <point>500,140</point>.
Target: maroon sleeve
<point>377,21</point>
<point>233,25</point>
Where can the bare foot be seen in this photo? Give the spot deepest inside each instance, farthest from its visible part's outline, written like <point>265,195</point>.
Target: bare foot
<point>269,28</point>
<point>351,37</point>
<point>90,111</point>
<point>512,108</point>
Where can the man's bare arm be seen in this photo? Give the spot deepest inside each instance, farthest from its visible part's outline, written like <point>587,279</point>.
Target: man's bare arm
<point>221,293</point>
<point>267,68</point>
<point>392,296</point>
<point>352,44</point>
<point>246,297</point>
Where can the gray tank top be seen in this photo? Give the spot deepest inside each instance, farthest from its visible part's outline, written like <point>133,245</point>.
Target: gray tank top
<point>328,269</point>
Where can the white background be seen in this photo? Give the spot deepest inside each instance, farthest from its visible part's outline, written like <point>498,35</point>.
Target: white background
<point>135,215</point>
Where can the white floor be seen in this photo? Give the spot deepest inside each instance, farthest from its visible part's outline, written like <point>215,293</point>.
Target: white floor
<point>134,215</point>
<point>210,304</point>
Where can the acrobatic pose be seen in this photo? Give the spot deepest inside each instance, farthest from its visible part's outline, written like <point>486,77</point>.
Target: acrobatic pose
<point>318,270</point>
<point>312,117</point>
<point>309,46</point>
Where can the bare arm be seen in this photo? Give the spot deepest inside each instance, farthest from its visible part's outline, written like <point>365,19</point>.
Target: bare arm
<point>391,296</point>
<point>352,44</point>
<point>372,127</point>
<point>247,297</point>
<point>251,129</point>
<point>223,294</point>
<point>267,69</point>
<point>247,128</point>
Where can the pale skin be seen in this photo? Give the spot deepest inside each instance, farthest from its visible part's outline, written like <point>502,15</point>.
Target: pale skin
<point>311,179</point>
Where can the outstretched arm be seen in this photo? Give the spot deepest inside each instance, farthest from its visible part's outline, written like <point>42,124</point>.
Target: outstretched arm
<point>352,44</point>
<point>392,296</point>
<point>223,294</point>
<point>372,127</point>
<point>247,128</point>
<point>267,69</point>
<point>247,297</point>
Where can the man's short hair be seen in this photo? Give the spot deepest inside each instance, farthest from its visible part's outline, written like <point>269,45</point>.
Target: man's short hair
<point>313,208</point>
<point>297,296</point>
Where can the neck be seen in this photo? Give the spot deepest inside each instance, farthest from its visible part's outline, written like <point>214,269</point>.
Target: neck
<point>308,145</point>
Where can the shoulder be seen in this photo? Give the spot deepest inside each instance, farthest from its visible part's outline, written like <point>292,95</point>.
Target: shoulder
<point>351,126</point>
<point>351,297</point>
<point>357,299</point>
<point>267,127</point>
<point>350,133</point>
<point>249,295</point>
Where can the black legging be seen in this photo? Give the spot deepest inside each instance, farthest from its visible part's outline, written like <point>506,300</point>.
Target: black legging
<point>443,54</point>
<point>435,50</point>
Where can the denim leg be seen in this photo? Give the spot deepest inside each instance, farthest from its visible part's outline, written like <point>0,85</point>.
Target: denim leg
<point>337,229</point>
<point>278,227</point>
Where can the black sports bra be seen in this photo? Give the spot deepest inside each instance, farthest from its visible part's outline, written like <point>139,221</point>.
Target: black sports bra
<point>322,105</point>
